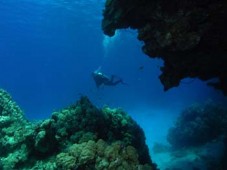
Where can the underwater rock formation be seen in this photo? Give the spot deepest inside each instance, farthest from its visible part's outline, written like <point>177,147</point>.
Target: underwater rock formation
<point>78,137</point>
<point>100,155</point>
<point>201,131</point>
<point>189,35</point>
<point>15,133</point>
<point>198,125</point>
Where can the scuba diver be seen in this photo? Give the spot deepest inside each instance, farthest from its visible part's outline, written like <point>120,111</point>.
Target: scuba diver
<point>102,79</point>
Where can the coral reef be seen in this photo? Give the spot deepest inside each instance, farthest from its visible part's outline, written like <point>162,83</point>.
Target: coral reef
<point>189,35</point>
<point>78,137</point>
<point>100,155</point>
<point>200,132</point>
<point>198,125</point>
<point>14,132</point>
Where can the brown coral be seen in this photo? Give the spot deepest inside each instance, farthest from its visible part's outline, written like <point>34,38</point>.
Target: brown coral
<point>100,155</point>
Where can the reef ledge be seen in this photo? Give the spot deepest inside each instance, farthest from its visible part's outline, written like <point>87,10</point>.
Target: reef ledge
<point>188,35</point>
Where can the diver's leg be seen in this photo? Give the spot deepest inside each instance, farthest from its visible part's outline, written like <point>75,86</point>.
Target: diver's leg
<point>117,82</point>
<point>111,82</point>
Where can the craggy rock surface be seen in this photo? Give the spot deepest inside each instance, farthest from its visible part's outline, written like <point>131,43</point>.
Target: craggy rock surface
<point>78,137</point>
<point>189,35</point>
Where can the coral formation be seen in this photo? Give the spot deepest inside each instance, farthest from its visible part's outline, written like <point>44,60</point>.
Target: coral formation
<point>189,35</point>
<point>78,137</point>
<point>100,155</point>
<point>198,125</point>
<point>201,131</point>
<point>13,133</point>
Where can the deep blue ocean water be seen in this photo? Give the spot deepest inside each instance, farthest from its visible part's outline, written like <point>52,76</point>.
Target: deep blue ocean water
<point>49,48</point>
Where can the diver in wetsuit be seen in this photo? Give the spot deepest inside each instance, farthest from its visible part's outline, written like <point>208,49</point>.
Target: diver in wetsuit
<point>102,79</point>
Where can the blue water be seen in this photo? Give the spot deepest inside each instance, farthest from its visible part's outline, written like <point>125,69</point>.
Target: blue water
<point>48,49</point>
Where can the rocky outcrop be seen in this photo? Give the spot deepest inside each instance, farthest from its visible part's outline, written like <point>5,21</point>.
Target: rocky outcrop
<point>198,125</point>
<point>80,136</point>
<point>200,131</point>
<point>189,35</point>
